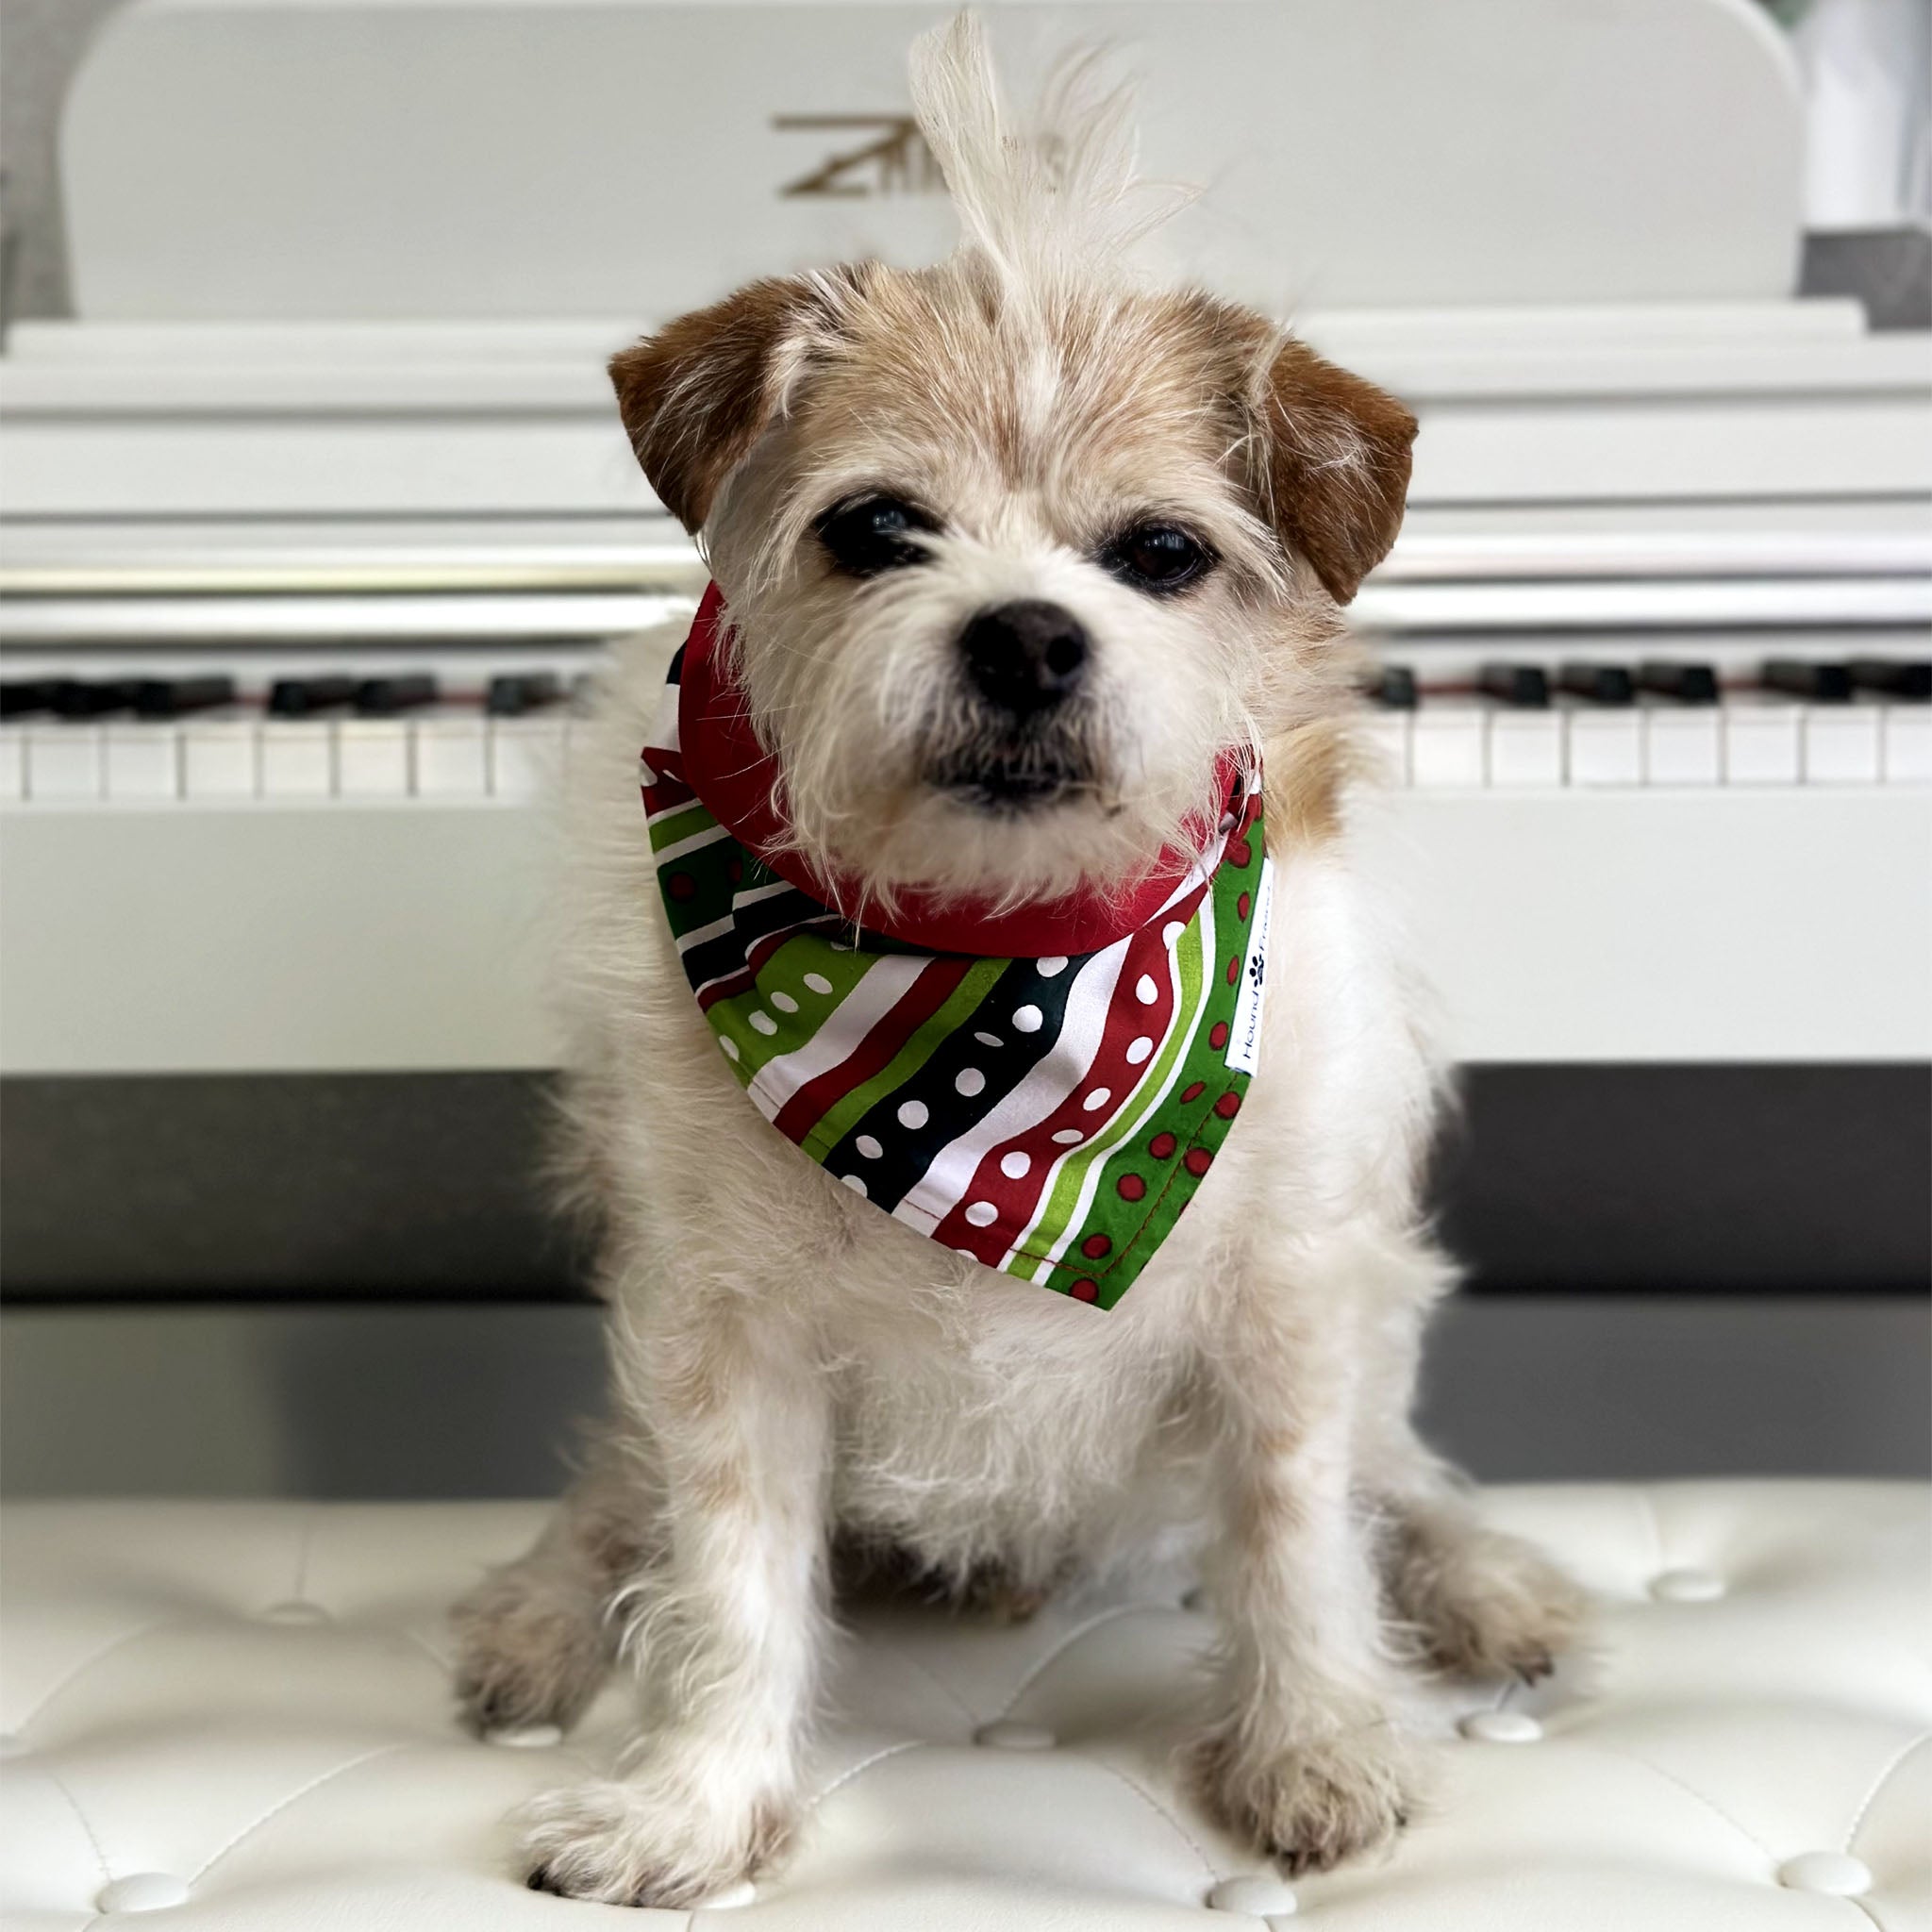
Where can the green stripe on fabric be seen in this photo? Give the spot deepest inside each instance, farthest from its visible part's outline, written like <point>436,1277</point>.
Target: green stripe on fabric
<point>784,972</point>
<point>1040,1238</point>
<point>686,822</point>
<point>964,1001</point>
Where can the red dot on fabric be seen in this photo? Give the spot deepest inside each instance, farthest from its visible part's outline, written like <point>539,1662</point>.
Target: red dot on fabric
<point>1217,1038</point>
<point>1244,855</point>
<point>1193,1091</point>
<point>1244,905</point>
<point>1085,1290</point>
<point>1234,971</point>
<point>1097,1245</point>
<point>1229,1105</point>
<point>680,885</point>
<point>1162,1146</point>
<point>1198,1161</point>
<point>1132,1188</point>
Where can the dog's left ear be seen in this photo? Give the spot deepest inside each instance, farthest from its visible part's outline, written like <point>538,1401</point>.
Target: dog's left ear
<point>1333,458</point>
<point>695,396</point>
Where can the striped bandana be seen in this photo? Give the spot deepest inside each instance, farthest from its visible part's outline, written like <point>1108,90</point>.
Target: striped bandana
<point>1042,1090</point>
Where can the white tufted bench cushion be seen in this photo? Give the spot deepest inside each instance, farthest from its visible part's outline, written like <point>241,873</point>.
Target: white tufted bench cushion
<point>251,1703</point>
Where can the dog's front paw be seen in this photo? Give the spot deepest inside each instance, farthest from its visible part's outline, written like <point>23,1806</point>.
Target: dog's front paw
<point>1343,1795</point>
<point>1480,1604</point>
<point>644,1844</point>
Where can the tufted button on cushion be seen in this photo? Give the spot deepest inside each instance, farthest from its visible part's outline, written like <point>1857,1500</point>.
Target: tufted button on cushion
<point>1833,1873</point>
<point>142,1892</point>
<point>1702,1772</point>
<point>294,1611</point>
<point>1257,1897</point>
<point>1499,1727</point>
<point>1687,1586</point>
<point>528,1738</point>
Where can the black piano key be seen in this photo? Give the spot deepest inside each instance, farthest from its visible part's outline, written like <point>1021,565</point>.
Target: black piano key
<point>1820,684</point>
<point>80,697</point>
<point>25,696</point>
<point>383,697</point>
<point>1523,687</point>
<point>302,697</point>
<point>175,697</point>
<point>1684,684</point>
<point>1597,684</point>
<point>1392,686</point>
<point>1907,679</point>
<point>516,693</point>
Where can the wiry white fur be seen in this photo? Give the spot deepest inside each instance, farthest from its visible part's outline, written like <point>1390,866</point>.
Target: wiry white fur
<point>788,1360</point>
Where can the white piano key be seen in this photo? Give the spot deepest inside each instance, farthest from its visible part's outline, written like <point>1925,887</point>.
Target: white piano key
<point>143,761</point>
<point>1683,745</point>
<point>525,756</point>
<point>1906,741</point>
<point>1526,748</point>
<point>63,761</point>
<point>219,757</point>
<point>452,756</point>
<point>1841,744</point>
<point>1603,747</point>
<point>1446,747</point>
<point>1761,742</point>
<point>12,764</point>
<point>373,758</point>
<point>297,758</point>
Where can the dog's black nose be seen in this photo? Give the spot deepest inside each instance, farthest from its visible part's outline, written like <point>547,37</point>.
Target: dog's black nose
<point>1025,657</point>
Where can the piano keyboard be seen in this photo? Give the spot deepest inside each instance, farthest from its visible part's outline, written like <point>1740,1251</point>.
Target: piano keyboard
<point>369,731</point>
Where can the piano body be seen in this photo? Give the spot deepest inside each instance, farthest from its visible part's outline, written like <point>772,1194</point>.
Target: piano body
<point>315,511</point>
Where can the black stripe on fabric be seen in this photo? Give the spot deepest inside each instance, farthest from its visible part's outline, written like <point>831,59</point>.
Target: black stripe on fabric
<point>717,957</point>
<point>675,675</point>
<point>909,1151</point>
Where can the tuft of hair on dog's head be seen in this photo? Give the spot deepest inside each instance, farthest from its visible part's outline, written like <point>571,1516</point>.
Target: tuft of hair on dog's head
<point>1015,546</point>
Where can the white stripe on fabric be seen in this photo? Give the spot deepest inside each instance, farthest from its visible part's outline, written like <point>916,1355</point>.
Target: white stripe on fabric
<point>694,842</point>
<point>1045,1090</point>
<point>839,1033</point>
<point>699,935</point>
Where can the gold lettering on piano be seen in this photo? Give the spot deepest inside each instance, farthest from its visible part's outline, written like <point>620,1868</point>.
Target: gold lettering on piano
<point>894,160</point>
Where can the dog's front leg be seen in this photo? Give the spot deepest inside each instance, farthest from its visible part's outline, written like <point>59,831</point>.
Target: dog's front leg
<point>1306,1755</point>
<point>723,1629</point>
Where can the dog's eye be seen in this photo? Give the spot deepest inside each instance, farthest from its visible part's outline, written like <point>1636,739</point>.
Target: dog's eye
<point>872,534</point>
<point>1156,556</point>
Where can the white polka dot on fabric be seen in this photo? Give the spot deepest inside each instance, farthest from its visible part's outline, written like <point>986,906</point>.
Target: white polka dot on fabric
<point>1067,1137</point>
<point>1145,990</point>
<point>764,1023</point>
<point>1050,969</point>
<point>982,1214</point>
<point>1172,931</point>
<point>989,1040</point>
<point>1029,1018</point>
<point>1097,1099</point>
<point>853,1182</point>
<point>969,1081</point>
<point>785,1003</point>
<point>868,1148</point>
<point>1138,1050</point>
<point>729,1048</point>
<point>1016,1166</point>
<point>818,982</point>
<point>913,1114</point>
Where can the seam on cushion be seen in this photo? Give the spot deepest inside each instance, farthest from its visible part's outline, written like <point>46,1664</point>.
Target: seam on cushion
<point>59,1784</point>
<point>864,1764</point>
<point>94,1656</point>
<point>446,1665</point>
<point>305,1544</point>
<point>1066,1643</point>
<point>1657,1561</point>
<point>932,1676</point>
<point>1886,1772</point>
<point>1154,1804</point>
<point>275,1810</point>
<point>1704,1798</point>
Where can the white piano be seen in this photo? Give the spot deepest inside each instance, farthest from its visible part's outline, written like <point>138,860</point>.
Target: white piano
<point>331,419</point>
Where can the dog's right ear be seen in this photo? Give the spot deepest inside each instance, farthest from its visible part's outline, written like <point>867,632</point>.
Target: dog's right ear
<point>695,396</point>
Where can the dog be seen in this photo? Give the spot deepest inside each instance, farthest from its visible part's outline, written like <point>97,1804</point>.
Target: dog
<point>1030,576</point>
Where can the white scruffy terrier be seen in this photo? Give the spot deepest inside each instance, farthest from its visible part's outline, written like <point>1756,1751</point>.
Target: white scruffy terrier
<point>1026,569</point>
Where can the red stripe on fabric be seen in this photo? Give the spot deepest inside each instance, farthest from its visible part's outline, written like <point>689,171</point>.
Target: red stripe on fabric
<point>1126,1020</point>
<point>890,1032</point>
<point>732,984</point>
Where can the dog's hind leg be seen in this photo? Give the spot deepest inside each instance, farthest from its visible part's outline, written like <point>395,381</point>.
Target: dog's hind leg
<point>535,1638</point>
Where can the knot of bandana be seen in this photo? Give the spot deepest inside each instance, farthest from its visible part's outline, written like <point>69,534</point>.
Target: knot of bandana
<point>1047,1109</point>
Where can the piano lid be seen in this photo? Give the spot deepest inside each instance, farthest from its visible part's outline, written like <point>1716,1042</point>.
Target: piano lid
<point>327,159</point>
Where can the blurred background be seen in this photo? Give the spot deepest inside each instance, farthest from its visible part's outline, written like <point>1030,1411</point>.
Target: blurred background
<point>314,510</point>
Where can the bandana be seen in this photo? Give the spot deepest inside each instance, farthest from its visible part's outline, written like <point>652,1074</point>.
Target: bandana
<point>1042,1089</point>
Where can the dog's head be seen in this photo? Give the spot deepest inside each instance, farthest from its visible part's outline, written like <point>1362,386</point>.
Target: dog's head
<point>1012,547</point>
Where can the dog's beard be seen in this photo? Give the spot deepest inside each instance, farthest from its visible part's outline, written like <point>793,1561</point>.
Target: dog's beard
<point>1003,770</point>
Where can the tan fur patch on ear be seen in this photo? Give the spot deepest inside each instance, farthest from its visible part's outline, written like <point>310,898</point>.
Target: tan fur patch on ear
<point>695,396</point>
<point>1335,451</point>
